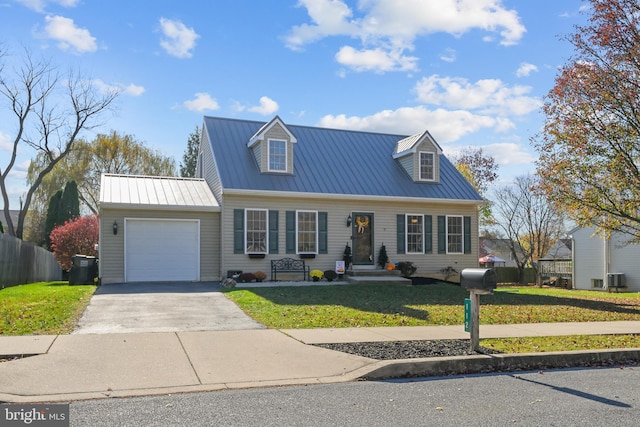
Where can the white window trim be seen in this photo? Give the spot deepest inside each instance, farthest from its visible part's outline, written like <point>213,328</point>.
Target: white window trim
<point>406,234</point>
<point>200,168</point>
<point>433,161</point>
<point>462,235</point>
<point>246,230</point>
<point>286,155</point>
<point>315,252</point>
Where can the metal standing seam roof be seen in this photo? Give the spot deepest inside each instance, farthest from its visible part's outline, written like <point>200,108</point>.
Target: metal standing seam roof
<point>328,161</point>
<point>156,191</point>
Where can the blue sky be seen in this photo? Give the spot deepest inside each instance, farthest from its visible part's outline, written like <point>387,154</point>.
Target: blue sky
<point>472,72</point>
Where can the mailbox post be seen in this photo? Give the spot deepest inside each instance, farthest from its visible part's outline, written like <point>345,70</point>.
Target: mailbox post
<point>479,281</point>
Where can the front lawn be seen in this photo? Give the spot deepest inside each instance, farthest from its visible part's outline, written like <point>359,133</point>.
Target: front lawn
<point>42,308</point>
<point>439,304</point>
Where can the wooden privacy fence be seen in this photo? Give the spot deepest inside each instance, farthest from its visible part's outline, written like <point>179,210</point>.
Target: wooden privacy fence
<point>510,275</point>
<point>23,262</point>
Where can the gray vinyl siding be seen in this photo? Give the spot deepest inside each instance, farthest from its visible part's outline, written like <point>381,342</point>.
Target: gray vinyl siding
<point>338,234</point>
<point>407,163</point>
<point>211,174</point>
<point>112,246</point>
<point>426,146</point>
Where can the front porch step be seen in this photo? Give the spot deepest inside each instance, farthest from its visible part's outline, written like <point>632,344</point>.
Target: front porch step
<point>376,277</point>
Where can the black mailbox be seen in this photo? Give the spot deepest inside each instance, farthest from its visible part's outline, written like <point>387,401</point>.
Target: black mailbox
<point>478,278</point>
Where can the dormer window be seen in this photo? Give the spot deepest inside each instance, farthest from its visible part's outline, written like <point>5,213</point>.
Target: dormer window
<point>277,155</point>
<point>427,166</point>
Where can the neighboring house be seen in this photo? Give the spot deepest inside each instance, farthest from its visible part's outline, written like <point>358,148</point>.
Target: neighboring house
<point>497,249</point>
<point>558,262</point>
<point>13,213</point>
<point>599,262</point>
<point>266,191</point>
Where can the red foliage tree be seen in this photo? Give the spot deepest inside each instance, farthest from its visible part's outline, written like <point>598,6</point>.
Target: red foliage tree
<point>78,236</point>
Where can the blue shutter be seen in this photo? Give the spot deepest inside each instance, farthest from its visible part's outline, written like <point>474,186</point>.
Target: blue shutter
<point>322,233</point>
<point>428,235</point>
<point>467,234</point>
<point>238,231</point>
<point>400,233</point>
<point>273,232</point>
<point>291,232</point>
<point>442,234</point>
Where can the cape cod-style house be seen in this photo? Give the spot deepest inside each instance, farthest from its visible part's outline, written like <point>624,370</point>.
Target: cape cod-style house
<point>267,191</point>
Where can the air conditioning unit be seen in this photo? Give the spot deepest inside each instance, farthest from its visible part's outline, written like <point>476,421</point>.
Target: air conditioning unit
<point>615,280</point>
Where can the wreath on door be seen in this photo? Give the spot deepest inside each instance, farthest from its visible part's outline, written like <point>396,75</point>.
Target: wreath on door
<point>361,223</point>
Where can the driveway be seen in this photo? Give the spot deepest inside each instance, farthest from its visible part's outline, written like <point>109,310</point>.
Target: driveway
<point>162,307</point>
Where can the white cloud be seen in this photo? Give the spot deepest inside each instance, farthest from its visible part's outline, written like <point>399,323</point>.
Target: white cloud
<point>178,40</point>
<point>69,37</point>
<point>267,106</point>
<point>449,55</point>
<point>509,153</point>
<point>40,5</point>
<point>386,25</point>
<point>130,89</point>
<point>377,60</point>
<point>202,102</point>
<point>488,96</point>
<point>444,125</point>
<point>5,142</point>
<point>525,69</point>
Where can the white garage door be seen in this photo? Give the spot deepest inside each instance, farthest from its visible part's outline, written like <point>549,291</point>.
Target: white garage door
<point>162,250</point>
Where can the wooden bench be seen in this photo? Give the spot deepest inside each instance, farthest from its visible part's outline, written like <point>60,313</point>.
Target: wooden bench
<point>288,265</point>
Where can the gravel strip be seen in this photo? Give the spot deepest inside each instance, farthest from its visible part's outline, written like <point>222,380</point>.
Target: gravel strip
<point>408,349</point>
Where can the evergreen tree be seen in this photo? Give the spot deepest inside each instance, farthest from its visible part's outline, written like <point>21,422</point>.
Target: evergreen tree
<point>69,204</point>
<point>53,213</point>
<point>190,157</point>
<point>1,228</point>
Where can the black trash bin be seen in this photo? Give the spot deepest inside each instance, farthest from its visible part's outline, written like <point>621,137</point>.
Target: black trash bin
<point>83,270</point>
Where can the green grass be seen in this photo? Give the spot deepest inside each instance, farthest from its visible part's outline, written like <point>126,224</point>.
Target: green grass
<point>440,304</point>
<point>42,308</point>
<point>561,343</point>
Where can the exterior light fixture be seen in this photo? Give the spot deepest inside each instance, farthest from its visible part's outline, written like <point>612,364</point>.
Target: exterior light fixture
<point>349,221</point>
<point>115,227</point>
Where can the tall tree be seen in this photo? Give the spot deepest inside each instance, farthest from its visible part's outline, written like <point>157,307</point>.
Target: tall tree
<point>590,146</point>
<point>107,153</point>
<point>481,170</point>
<point>69,204</point>
<point>190,156</point>
<point>50,114</point>
<point>529,222</point>
<point>52,218</point>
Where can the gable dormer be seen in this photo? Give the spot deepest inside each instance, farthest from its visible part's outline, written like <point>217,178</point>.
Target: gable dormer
<point>272,147</point>
<point>419,155</point>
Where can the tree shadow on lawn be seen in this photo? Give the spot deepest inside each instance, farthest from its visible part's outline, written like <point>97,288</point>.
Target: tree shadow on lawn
<point>394,300</point>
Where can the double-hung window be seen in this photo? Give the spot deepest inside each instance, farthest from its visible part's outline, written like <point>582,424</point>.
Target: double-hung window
<point>415,234</point>
<point>427,166</point>
<point>277,155</point>
<point>307,232</point>
<point>455,235</point>
<point>256,231</point>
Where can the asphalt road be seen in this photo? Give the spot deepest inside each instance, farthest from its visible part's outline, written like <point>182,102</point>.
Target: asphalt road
<point>576,397</point>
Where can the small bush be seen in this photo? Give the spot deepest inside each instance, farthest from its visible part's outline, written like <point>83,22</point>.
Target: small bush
<point>247,277</point>
<point>316,275</point>
<point>448,272</point>
<point>330,275</point>
<point>260,276</point>
<point>406,268</point>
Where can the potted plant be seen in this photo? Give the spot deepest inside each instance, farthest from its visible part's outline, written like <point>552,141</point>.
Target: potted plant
<point>316,275</point>
<point>330,275</point>
<point>260,276</point>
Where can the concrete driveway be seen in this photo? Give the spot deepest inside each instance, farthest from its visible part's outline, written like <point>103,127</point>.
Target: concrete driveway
<point>162,307</point>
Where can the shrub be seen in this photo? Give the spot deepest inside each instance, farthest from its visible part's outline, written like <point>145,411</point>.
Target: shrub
<point>406,268</point>
<point>247,277</point>
<point>78,236</point>
<point>316,275</point>
<point>330,275</point>
<point>260,276</point>
<point>447,272</point>
<point>228,283</point>
<point>383,258</point>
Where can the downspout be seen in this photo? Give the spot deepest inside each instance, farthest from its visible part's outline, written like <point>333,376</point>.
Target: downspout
<point>606,262</point>
<point>573,262</point>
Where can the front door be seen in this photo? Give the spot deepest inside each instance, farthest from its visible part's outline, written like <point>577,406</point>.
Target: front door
<point>362,232</point>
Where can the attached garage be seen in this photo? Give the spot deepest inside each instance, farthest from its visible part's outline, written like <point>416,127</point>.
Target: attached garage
<point>161,250</point>
<point>156,229</point>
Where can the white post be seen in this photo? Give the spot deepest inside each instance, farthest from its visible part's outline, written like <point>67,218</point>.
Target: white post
<point>474,296</point>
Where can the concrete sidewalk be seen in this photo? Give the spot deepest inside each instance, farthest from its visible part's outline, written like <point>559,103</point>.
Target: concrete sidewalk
<point>87,366</point>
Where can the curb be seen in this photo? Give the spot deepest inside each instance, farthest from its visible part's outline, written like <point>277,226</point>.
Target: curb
<point>461,365</point>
